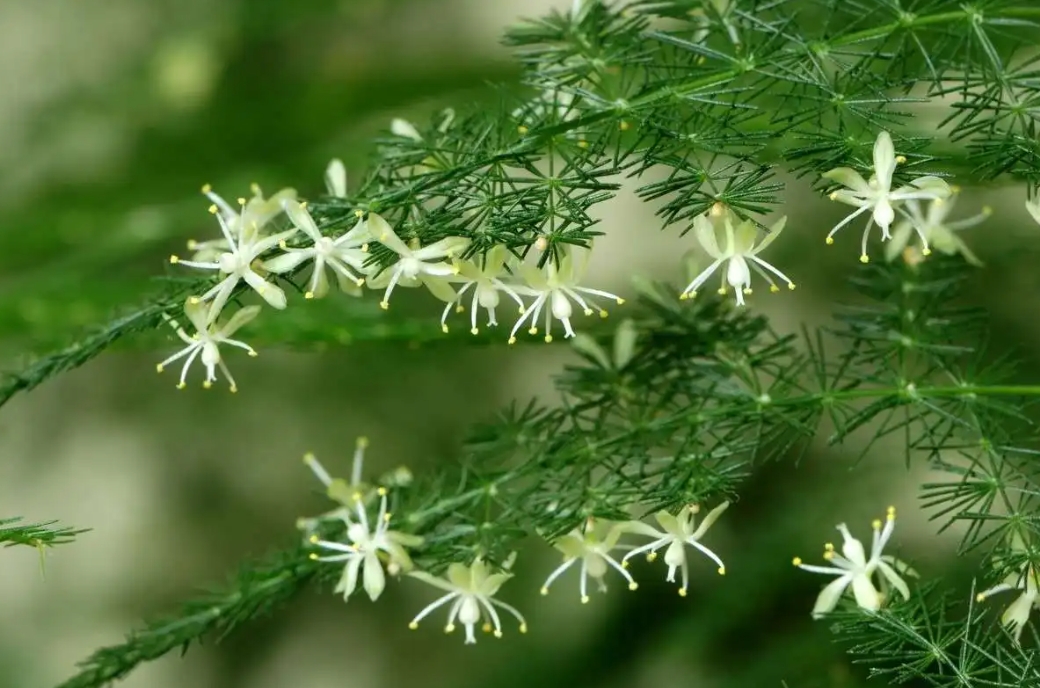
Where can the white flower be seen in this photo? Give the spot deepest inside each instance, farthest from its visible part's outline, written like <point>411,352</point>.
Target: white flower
<point>257,210</point>
<point>854,569</point>
<point>591,545</point>
<point>471,590</point>
<point>416,265</point>
<point>486,285</point>
<point>336,178</point>
<point>339,254</point>
<point>877,195</point>
<point>554,288</point>
<point>1033,207</point>
<point>933,225</point>
<point>338,489</point>
<point>362,554</point>
<point>405,129</point>
<point>207,340</point>
<point>740,255</point>
<point>237,263</point>
<point>1016,616</point>
<point>678,532</point>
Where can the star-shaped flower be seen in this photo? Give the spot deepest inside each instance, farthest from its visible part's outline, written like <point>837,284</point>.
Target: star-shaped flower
<point>207,340</point>
<point>877,195</point>
<point>486,284</point>
<point>257,211</point>
<point>554,289</point>
<point>740,255</point>
<point>415,265</point>
<point>362,554</point>
<point>591,545</point>
<point>854,569</point>
<point>1016,616</point>
<point>936,231</point>
<point>247,245</point>
<point>471,591</point>
<point>343,255</point>
<point>678,532</point>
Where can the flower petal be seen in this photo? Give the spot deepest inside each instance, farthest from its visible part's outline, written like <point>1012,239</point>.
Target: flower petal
<point>705,231</point>
<point>302,219</point>
<point>374,580</point>
<point>709,519</point>
<point>866,594</point>
<point>240,318</point>
<point>336,178</point>
<point>828,598</point>
<point>287,261</point>
<point>884,159</point>
<point>382,232</point>
<point>439,287</point>
<point>846,176</point>
<point>892,577</point>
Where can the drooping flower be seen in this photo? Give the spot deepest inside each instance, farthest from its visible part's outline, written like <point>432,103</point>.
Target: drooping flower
<point>740,255</point>
<point>343,255</point>
<point>247,245</point>
<point>678,532</point>
<point>486,284</point>
<point>554,289</point>
<point>416,265</point>
<point>362,554</point>
<point>206,342</point>
<point>471,591</point>
<point>854,569</point>
<point>1016,616</point>
<point>939,234</point>
<point>591,545</point>
<point>877,195</point>
<point>255,211</point>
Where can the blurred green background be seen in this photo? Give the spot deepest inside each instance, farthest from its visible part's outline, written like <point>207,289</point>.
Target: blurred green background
<point>112,114</point>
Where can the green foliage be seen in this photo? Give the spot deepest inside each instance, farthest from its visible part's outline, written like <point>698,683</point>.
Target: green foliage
<point>715,99</point>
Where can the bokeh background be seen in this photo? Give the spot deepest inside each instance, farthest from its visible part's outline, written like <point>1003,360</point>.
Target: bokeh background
<point>112,114</point>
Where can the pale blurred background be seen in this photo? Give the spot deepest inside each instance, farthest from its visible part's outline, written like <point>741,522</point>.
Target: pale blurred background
<point>112,115</point>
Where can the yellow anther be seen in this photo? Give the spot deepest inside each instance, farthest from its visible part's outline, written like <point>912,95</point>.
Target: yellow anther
<point>486,627</point>
<point>313,539</point>
<point>252,353</point>
<point>303,205</point>
<point>829,241</point>
<point>694,508</point>
<point>360,281</point>
<point>181,385</point>
<point>980,597</point>
<point>444,328</point>
<point>206,188</point>
<point>624,564</point>
<point>544,590</point>
<point>212,209</point>
<point>828,555</point>
<point>357,496</point>
<point>791,286</point>
<point>548,339</point>
<point>722,570</point>
<point>588,311</point>
<point>651,556</point>
<point>192,244</point>
<point>603,313</point>
<point>255,188</point>
<point>987,210</point>
<point>358,213</point>
<point>797,561</point>
<point>312,556</point>
<point>283,244</point>
<point>584,599</point>
<point>234,389</point>
<point>460,308</point>
<point>362,442</point>
<point>523,628</point>
<point>174,260</point>
<point>829,547</point>
<point>381,492</point>
<point>521,310</point>
<point>413,625</point>
<point>623,125</point>
<point>900,159</point>
<point>194,300</point>
<point>308,294</point>
<point>926,252</point>
<point>682,592</point>
<point>833,196</point>
<point>773,288</point>
<point>498,634</point>
<point>241,201</point>
<point>722,291</point>
<point>683,296</point>
<point>583,144</point>
<point>541,243</point>
<point>384,305</point>
<point>474,330</point>
<point>450,628</point>
<point>633,586</point>
<point>864,259</point>
<point>533,330</point>
<point>620,301</point>
<point>207,384</point>
<point>512,340</point>
<point>159,367</point>
<point>876,524</point>
<point>522,130</point>
<point>364,248</point>
<point>747,290</point>
<point>890,514</point>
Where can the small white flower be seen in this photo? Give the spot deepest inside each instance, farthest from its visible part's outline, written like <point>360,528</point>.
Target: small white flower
<point>1016,616</point>
<point>933,225</point>
<point>740,255</point>
<point>246,246</point>
<point>362,554</point>
<point>255,211</point>
<point>341,254</point>
<point>471,590</point>
<point>877,195</point>
<point>336,178</point>
<point>591,545</point>
<point>416,265</point>
<point>338,489</point>
<point>486,285</point>
<point>854,569</point>
<point>405,129</point>
<point>207,340</point>
<point>554,288</point>
<point>678,532</point>
<point>1033,207</point>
